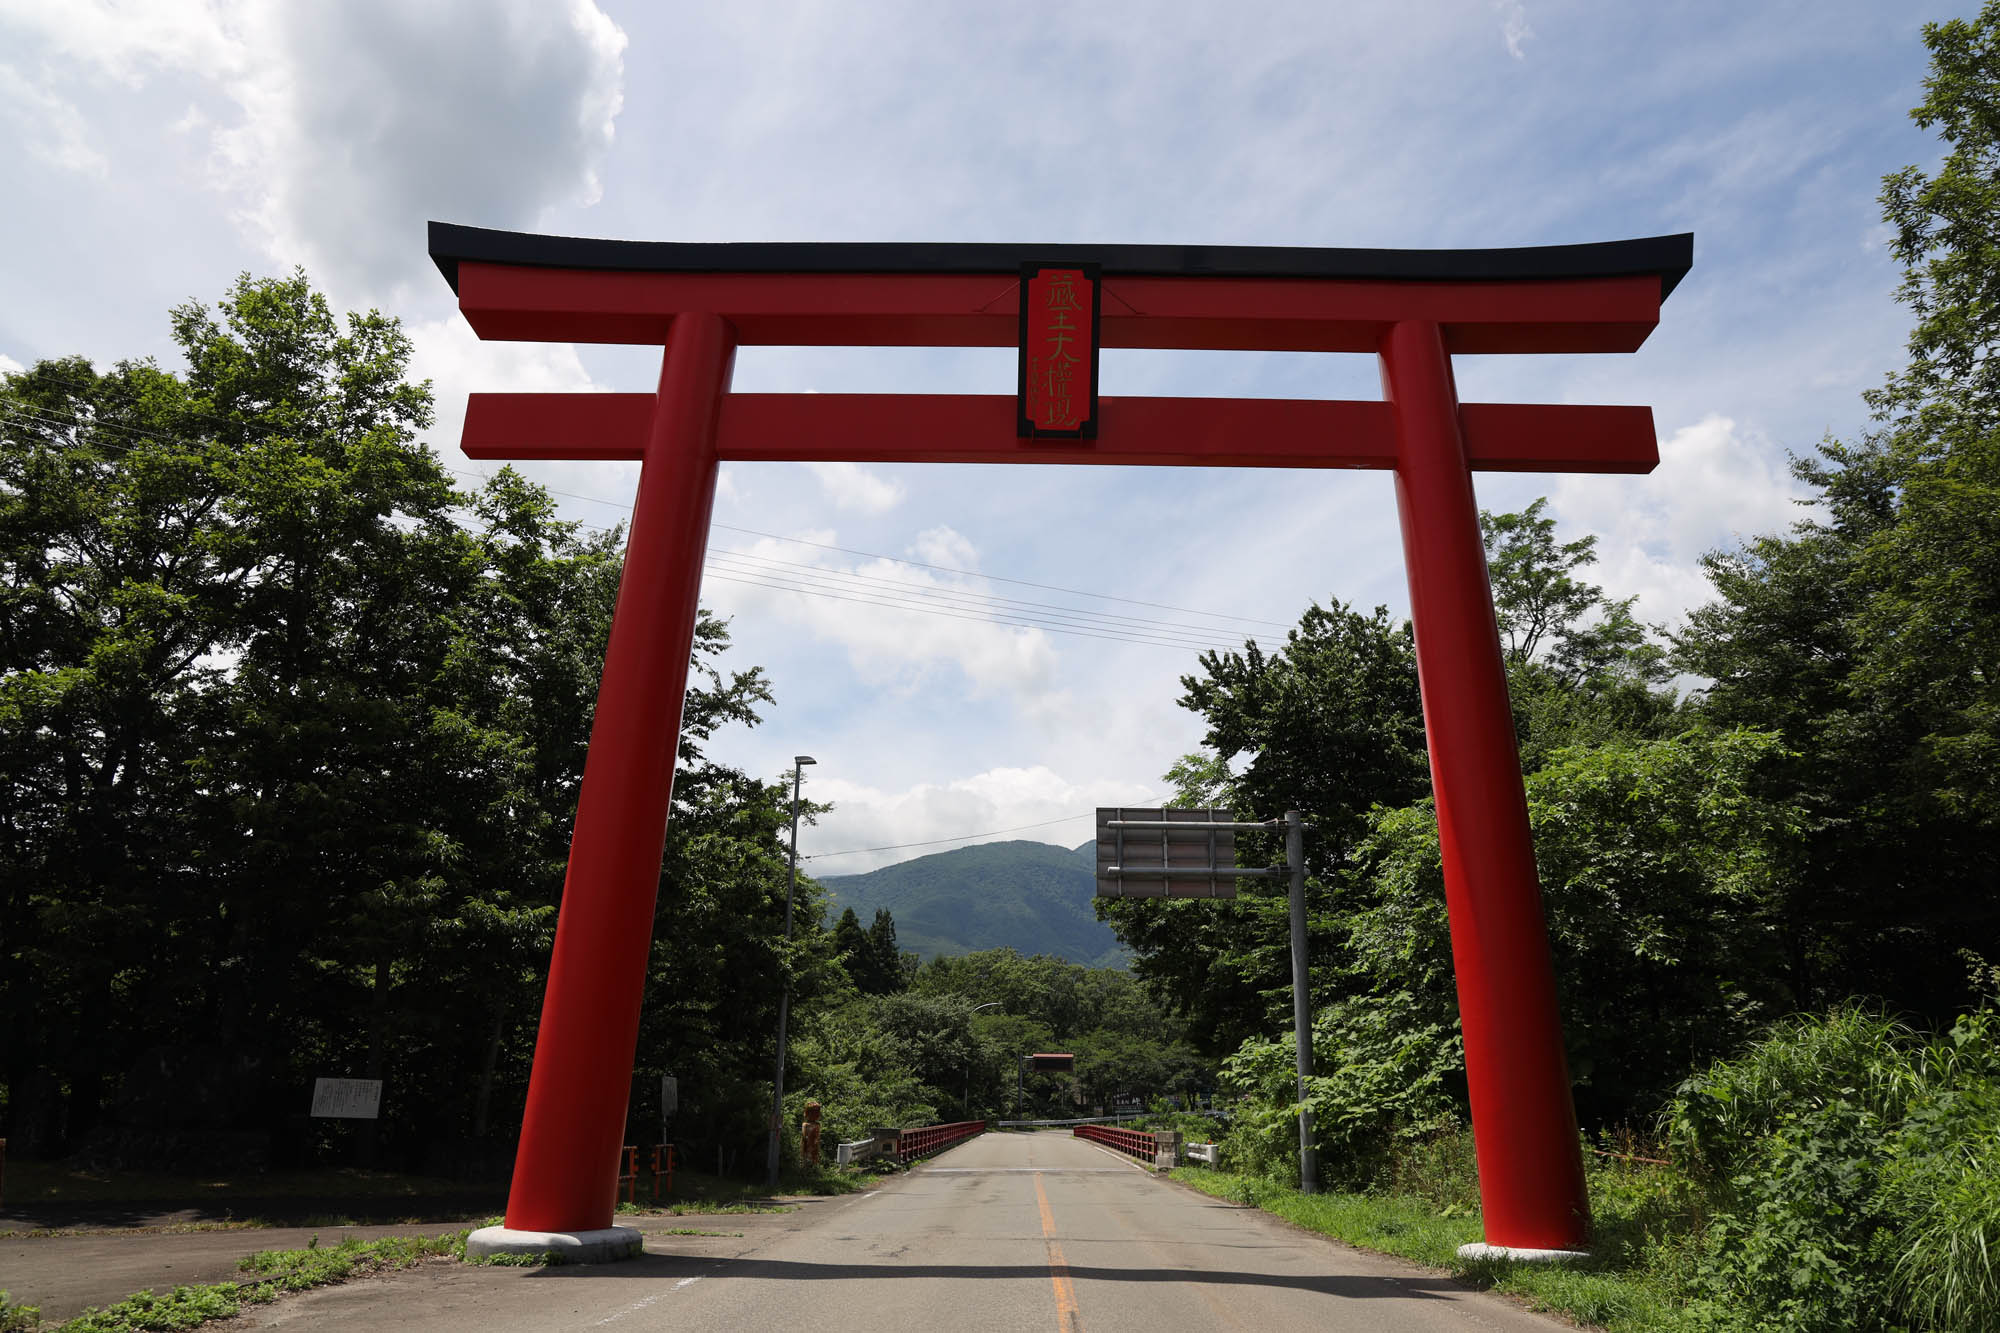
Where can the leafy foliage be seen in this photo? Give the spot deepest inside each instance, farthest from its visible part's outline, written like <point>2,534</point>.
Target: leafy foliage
<point>1386,1080</point>
<point>291,732</point>
<point>1850,1161</point>
<point>1330,726</point>
<point>1866,636</point>
<point>1722,874</point>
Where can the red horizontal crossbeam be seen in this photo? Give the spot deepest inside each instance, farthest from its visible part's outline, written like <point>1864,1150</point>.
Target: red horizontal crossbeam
<point>503,301</point>
<point>968,428</point>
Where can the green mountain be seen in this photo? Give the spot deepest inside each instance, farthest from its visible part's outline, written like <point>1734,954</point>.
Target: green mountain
<point>1027,896</point>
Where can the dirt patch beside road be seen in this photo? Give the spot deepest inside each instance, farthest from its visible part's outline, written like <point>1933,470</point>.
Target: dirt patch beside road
<point>65,1275</point>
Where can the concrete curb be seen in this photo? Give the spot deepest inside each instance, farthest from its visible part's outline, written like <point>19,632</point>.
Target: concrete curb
<point>1479,1249</point>
<point>605,1246</point>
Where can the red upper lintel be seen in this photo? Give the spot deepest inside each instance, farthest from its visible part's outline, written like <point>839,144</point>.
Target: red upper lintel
<point>1612,314</point>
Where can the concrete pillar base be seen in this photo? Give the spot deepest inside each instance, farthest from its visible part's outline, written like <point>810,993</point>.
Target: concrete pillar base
<point>1479,1249</point>
<point>561,1247</point>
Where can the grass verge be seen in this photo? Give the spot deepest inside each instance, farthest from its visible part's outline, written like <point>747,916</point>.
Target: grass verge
<point>695,1208</point>
<point>270,1274</point>
<point>165,1229</point>
<point>1615,1289</point>
<point>698,1193</point>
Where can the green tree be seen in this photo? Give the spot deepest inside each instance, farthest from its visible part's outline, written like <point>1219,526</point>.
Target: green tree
<point>1666,872</point>
<point>121,581</point>
<point>1329,725</point>
<point>291,732</point>
<point>878,967</point>
<point>1867,634</point>
<point>850,945</point>
<point>1580,669</point>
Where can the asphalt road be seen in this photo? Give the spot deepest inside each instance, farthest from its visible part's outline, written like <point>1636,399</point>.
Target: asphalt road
<point>1036,1232</point>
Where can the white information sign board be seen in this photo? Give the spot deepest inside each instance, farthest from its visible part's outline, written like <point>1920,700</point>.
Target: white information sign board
<point>347,1098</point>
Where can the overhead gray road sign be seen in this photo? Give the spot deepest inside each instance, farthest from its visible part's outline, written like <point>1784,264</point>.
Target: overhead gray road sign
<point>1169,853</point>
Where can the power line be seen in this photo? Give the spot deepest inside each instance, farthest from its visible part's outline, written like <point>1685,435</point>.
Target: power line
<point>914,597</point>
<point>932,611</point>
<point>847,550</point>
<point>1000,578</point>
<point>956,593</point>
<point>1014,612</point>
<point>838,585</point>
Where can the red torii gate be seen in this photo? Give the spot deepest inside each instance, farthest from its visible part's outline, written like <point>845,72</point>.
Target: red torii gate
<point>1413,308</point>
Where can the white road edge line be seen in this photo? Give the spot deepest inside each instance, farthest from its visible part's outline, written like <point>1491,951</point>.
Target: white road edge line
<point>637,1306</point>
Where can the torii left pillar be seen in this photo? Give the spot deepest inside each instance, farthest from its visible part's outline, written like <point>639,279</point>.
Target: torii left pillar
<point>574,1122</point>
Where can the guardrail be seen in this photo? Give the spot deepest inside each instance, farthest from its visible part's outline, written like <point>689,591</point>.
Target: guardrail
<point>1074,1120</point>
<point>861,1150</point>
<point>1139,1143</point>
<point>924,1140</point>
<point>1202,1152</point>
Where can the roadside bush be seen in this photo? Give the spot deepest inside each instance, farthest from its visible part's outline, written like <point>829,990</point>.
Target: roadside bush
<point>1193,1126</point>
<point>18,1318</point>
<point>858,1073</point>
<point>1850,1164</point>
<point>1439,1168</point>
<point>1382,1084</point>
<point>1662,870</point>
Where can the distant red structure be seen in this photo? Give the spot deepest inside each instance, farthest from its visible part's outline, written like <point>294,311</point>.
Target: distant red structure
<point>1413,309</point>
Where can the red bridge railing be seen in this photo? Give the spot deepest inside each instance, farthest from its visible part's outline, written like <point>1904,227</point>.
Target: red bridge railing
<point>1138,1142</point>
<point>924,1140</point>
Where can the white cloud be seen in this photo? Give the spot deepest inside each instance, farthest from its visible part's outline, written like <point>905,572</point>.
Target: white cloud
<point>356,122</point>
<point>852,486</point>
<point>1514,28</point>
<point>869,610</point>
<point>942,546</point>
<point>380,115</point>
<point>126,42</point>
<point>1717,484</point>
<point>998,802</point>
<point>52,127</point>
<point>9,366</point>
<point>446,352</point>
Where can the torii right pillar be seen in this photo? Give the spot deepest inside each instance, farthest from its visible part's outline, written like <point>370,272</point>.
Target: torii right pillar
<point>1524,1121</point>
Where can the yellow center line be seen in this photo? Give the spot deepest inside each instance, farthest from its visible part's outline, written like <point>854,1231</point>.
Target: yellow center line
<point>1067,1320</point>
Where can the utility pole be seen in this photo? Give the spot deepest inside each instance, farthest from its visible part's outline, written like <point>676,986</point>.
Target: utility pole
<point>965,1103</point>
<point>785,996</point>
<point>1130,863</point>
<point>1295,860</point>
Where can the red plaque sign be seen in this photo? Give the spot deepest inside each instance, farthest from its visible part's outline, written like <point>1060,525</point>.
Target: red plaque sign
<point>1059,339</point>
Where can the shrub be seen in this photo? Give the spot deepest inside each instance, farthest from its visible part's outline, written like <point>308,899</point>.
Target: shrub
<point>1382,1083</point>
<point>1851,1167</point>
<point>18,1318</point>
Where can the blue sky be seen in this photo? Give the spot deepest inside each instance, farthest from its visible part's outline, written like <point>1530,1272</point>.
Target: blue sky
<point>155,150</point>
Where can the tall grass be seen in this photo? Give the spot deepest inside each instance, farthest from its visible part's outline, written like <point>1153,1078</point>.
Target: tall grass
<point>1841,1173</point>
<point>1851,1164</point>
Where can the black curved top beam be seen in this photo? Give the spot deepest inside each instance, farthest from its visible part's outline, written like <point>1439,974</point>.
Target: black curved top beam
<point>1667,257</point>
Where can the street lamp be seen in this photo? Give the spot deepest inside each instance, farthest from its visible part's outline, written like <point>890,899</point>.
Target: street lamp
<point>965,1102</point>
<point>799,763</point>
